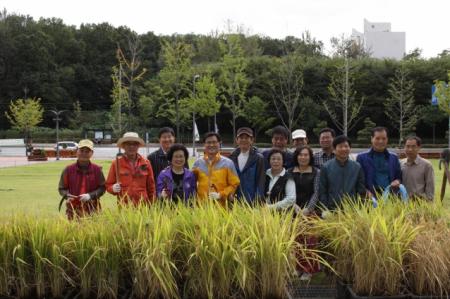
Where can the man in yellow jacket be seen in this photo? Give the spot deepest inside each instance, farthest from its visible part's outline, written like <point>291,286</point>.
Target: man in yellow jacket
<point>217,178</point>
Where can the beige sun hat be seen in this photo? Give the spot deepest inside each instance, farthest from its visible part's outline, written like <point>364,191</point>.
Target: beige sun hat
<point>86,143</point>
<point>130,137</point>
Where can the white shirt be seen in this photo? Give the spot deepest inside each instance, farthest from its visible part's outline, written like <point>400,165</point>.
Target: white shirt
<point>289,199</point>
<point>242,160</point>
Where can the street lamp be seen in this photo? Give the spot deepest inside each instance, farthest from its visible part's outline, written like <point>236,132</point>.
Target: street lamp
<point>193,115</point>
<point>57,118</point>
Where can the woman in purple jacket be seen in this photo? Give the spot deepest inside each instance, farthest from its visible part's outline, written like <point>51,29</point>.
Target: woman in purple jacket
<point>176,182</point>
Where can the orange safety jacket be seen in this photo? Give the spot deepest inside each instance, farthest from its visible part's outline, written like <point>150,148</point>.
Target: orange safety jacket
<point>136,181</point>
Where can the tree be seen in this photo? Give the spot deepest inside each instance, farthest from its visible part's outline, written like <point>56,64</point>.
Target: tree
<point>256,113</point>
<point>342,106</point>
<point>432,115</point>
<point>443,95</point>
<point>348,47</point>
<point>287,90</point>
<point>175,75</point>
<point>233,80</point>
<point>131,68</point>
<point>364,134</point>
<point>204,102</point>
<point>400,107</point>
<point>121,101</point>
<point>24,115</point>
<point>320,125</point>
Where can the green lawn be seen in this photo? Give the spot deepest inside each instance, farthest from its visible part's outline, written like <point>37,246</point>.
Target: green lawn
<point>33,188</point>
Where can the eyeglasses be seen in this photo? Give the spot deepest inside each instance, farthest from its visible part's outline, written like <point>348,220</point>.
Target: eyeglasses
<point>211,142</point>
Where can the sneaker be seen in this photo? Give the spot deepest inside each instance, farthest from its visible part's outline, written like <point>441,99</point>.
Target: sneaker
<point>306,276</point>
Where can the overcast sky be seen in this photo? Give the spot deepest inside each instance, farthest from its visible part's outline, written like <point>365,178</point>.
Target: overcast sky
<point>426,23</point>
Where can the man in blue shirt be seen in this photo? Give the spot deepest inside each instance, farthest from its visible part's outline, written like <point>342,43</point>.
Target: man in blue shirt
<point>381,167</point>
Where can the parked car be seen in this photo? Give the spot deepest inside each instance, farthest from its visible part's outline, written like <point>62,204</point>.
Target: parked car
<point>67,145</point>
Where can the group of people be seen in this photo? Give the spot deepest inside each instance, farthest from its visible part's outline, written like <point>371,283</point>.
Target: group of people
<point>277,177</point>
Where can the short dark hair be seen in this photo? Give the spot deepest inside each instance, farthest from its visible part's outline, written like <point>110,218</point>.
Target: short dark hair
<point>164,130</point>
<point>325,130</point>
<point>177,147</point>
<point>341,139</point>
<point>379,129</point>
<point>416,138</point>
<point>299,150</point>
<point>210,134</point>
<point>280,130</point>
<point>275,151</point>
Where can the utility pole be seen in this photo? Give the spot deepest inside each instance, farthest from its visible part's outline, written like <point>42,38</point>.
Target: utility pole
<point>57,118</point>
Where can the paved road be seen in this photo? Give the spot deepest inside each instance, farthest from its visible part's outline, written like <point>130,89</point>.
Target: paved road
<point>109,151</point>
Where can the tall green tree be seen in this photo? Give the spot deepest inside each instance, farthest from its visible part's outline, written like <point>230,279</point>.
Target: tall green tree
<point>203,98</point>
<point>24,115</point>
<point>257,114</point>
<point>400,107</point>
<point>175,75</point>
<point>233,80</point>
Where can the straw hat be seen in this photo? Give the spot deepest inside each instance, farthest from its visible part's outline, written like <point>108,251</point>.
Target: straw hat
<point>130,137</point>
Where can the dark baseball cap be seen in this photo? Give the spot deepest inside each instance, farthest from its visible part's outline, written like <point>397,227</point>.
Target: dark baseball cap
<point>244,130</point>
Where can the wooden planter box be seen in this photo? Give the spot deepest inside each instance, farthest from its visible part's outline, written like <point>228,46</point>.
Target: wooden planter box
<point>62,153</point>
<point>37,155</point>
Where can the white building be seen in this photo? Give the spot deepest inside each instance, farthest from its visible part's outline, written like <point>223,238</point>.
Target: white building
<point>380,41</point>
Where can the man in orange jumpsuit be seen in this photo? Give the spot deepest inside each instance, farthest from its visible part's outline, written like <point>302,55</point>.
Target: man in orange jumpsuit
<point>131,176</point>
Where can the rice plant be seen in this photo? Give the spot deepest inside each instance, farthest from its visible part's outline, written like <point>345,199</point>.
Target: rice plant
<point>168,251</point>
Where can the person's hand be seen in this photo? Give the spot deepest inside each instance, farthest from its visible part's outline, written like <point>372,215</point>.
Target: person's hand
<point>85,197</point>
<point>116,188</point>
<point>164,194</point>
<point>326,214</point>
<point>214,195</point>
<point>306,212</point>
<point>395,184</point>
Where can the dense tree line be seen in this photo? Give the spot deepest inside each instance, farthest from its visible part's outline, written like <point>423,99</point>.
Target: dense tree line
<point>248,79</point>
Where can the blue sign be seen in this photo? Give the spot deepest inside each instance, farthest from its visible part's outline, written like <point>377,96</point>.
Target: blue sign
<point>434,99</point>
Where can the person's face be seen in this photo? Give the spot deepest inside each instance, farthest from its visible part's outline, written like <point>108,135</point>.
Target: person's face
<point>304,158</point>
<point>342,151</point>
<point>178,159</point>
<point>300,142</point>
<point>84,154</point>
<point>326,140</point>
<point>212,145</point>
<point>379,141</point>
<point>244,142</point>
<point>276,162</point>
<point>411,148</point>
<point>131,148</point>
<point>166,140</point>
<point>279,141</point>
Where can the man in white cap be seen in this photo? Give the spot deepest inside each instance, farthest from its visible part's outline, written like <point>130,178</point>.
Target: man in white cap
<point>131,176</point>
<point>82,183</point>
<point>299,138</point>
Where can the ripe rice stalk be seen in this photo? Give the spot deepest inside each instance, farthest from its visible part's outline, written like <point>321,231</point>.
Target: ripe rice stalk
<point>428,266</point>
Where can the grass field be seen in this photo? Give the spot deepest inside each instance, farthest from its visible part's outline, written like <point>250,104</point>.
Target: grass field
<point>33,188</point>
